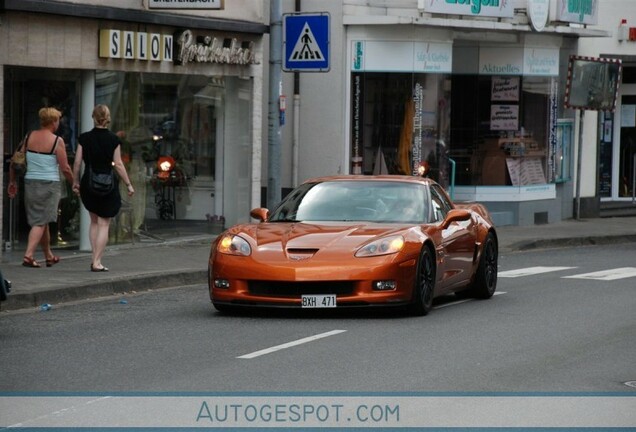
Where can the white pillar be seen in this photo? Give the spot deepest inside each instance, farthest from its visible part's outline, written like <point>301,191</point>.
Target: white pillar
<point>86,123</point>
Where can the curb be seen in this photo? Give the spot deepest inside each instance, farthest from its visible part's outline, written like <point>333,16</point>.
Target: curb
<point>523,246</point>
<point>16,301</point>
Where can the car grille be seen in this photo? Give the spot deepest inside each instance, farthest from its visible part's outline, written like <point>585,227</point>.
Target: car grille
<point>294,289</point>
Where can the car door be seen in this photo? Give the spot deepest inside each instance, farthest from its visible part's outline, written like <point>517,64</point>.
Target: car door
<point>456,245</point>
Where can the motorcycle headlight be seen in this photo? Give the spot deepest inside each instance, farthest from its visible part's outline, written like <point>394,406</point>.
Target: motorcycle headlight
<point>384,246</point>
<point>234,245</point>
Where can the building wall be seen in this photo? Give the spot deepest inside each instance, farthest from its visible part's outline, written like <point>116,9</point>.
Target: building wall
<point>610,14</point>
<point>325,97</point>
<point>245,10</point>
<point>52,40</point>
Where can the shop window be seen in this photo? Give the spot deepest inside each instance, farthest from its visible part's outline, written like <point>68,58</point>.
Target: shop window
<point>174,131</point>
<point>398,121</point>
<point>499,129</point>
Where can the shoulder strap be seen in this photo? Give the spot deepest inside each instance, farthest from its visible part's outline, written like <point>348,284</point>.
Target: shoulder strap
<point>26,141</point>
<point>54,144</point>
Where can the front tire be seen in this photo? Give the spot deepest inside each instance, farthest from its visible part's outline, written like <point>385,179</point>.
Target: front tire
<point>424,284</point>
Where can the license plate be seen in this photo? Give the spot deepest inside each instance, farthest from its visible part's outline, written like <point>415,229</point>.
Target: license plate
<point>319,301</point>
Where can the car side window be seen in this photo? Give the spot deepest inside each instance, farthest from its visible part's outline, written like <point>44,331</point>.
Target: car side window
<point>440,204</point>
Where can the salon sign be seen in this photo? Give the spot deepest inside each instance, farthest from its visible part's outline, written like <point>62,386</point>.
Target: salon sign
<point>181,48</point>
<point>477,8</point>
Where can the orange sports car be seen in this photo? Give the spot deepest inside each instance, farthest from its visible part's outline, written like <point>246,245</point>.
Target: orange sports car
<point>356,241</point>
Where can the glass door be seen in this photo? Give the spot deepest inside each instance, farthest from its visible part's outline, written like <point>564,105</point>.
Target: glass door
<point>625,151</point>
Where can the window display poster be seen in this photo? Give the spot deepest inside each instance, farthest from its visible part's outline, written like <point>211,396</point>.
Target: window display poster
<point>525,171</point>
<point>628,116</point>
<point>504,117</point>
<point>505,88</point>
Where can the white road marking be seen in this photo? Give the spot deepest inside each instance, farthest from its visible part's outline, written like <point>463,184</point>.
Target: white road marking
<point>529,271</point>
<point>290,344</point>
<point>462,301</point>
<point>607,275</point>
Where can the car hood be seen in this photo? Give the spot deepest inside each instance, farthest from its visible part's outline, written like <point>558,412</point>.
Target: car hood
<point>332,236</point>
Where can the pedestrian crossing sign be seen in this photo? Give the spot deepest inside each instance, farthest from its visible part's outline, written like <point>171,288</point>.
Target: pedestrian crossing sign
<point>306,42</point>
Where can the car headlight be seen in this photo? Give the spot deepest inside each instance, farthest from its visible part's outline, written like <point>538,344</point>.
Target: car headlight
<point>234,245</point>
<point>384,246</point>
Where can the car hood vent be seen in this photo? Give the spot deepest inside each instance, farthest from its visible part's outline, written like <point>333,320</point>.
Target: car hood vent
<point>298,254</point>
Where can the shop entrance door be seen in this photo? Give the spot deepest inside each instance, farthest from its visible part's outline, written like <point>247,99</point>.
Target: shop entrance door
<point>26,90</point>
<point>626,157</point>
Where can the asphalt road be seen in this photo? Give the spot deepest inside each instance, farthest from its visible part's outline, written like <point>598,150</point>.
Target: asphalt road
<point>542,332</point>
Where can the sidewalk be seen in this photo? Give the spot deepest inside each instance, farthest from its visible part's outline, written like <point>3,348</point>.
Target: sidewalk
<point>146,266</point>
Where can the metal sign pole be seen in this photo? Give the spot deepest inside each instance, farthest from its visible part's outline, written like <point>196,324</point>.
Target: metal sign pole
<point>579,158</point>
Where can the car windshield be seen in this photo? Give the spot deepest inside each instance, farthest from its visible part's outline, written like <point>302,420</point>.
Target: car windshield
<point>364,201</point>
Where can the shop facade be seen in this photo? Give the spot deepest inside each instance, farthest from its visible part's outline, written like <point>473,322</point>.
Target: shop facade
<point>185,94</point>
<point>476,96</point>
<point>611,136</point>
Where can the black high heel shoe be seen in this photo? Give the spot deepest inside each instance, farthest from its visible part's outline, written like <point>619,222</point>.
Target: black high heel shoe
<point>95,269</point>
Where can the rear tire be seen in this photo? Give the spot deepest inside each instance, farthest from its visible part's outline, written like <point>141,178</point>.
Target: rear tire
<point>486,277</point>
<point>424,288</point>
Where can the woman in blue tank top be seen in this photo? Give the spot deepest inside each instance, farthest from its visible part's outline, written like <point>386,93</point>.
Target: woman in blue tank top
<point>46,158</point>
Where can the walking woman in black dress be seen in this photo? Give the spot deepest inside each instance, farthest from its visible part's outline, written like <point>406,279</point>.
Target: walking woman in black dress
<point>101,149</point>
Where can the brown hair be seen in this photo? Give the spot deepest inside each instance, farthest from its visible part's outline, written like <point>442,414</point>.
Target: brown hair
<point>48,115</point>
<point>101,115</point>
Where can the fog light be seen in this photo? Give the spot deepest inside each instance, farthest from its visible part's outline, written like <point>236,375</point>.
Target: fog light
<point>385,285</point>
<point>222,283</point>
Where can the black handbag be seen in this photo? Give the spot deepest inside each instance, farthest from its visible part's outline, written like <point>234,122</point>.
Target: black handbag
<point>100,184</point>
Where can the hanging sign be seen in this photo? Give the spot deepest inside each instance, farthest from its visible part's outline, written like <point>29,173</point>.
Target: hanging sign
<point>480,8</point>
<point>505,88</point>
<point>578,11</point>
<point>538,13</point>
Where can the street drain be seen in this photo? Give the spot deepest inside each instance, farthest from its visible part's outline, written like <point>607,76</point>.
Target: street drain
<point>630,384</point>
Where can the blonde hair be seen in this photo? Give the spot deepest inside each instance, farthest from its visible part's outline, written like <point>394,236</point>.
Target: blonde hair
<point>101,115</point>
<point>49,115</point>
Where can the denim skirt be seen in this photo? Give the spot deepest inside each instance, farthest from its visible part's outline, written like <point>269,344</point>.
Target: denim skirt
<point>41,200</point>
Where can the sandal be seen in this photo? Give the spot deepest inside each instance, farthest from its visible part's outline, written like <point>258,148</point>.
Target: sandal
<point>97,269</point>
<point>53,260</point>
<point>30,262</point>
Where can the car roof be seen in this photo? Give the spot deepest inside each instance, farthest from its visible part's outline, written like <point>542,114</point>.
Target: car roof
<point>362,178</point>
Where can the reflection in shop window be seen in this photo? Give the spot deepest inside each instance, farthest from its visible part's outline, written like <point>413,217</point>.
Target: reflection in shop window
<point>172,129</point>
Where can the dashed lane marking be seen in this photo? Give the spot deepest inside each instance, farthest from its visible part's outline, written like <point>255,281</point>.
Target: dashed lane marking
<point>607,275</point>
<point>529,271</point>
<point>290,344</point>
<point>454,303</point>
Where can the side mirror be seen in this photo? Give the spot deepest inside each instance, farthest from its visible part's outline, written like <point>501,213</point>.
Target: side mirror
<point>456,215</point>
<point>260,214</point>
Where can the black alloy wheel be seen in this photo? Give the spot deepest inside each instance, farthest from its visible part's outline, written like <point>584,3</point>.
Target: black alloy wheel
<point>486,277</point>
<point>424,284</point>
